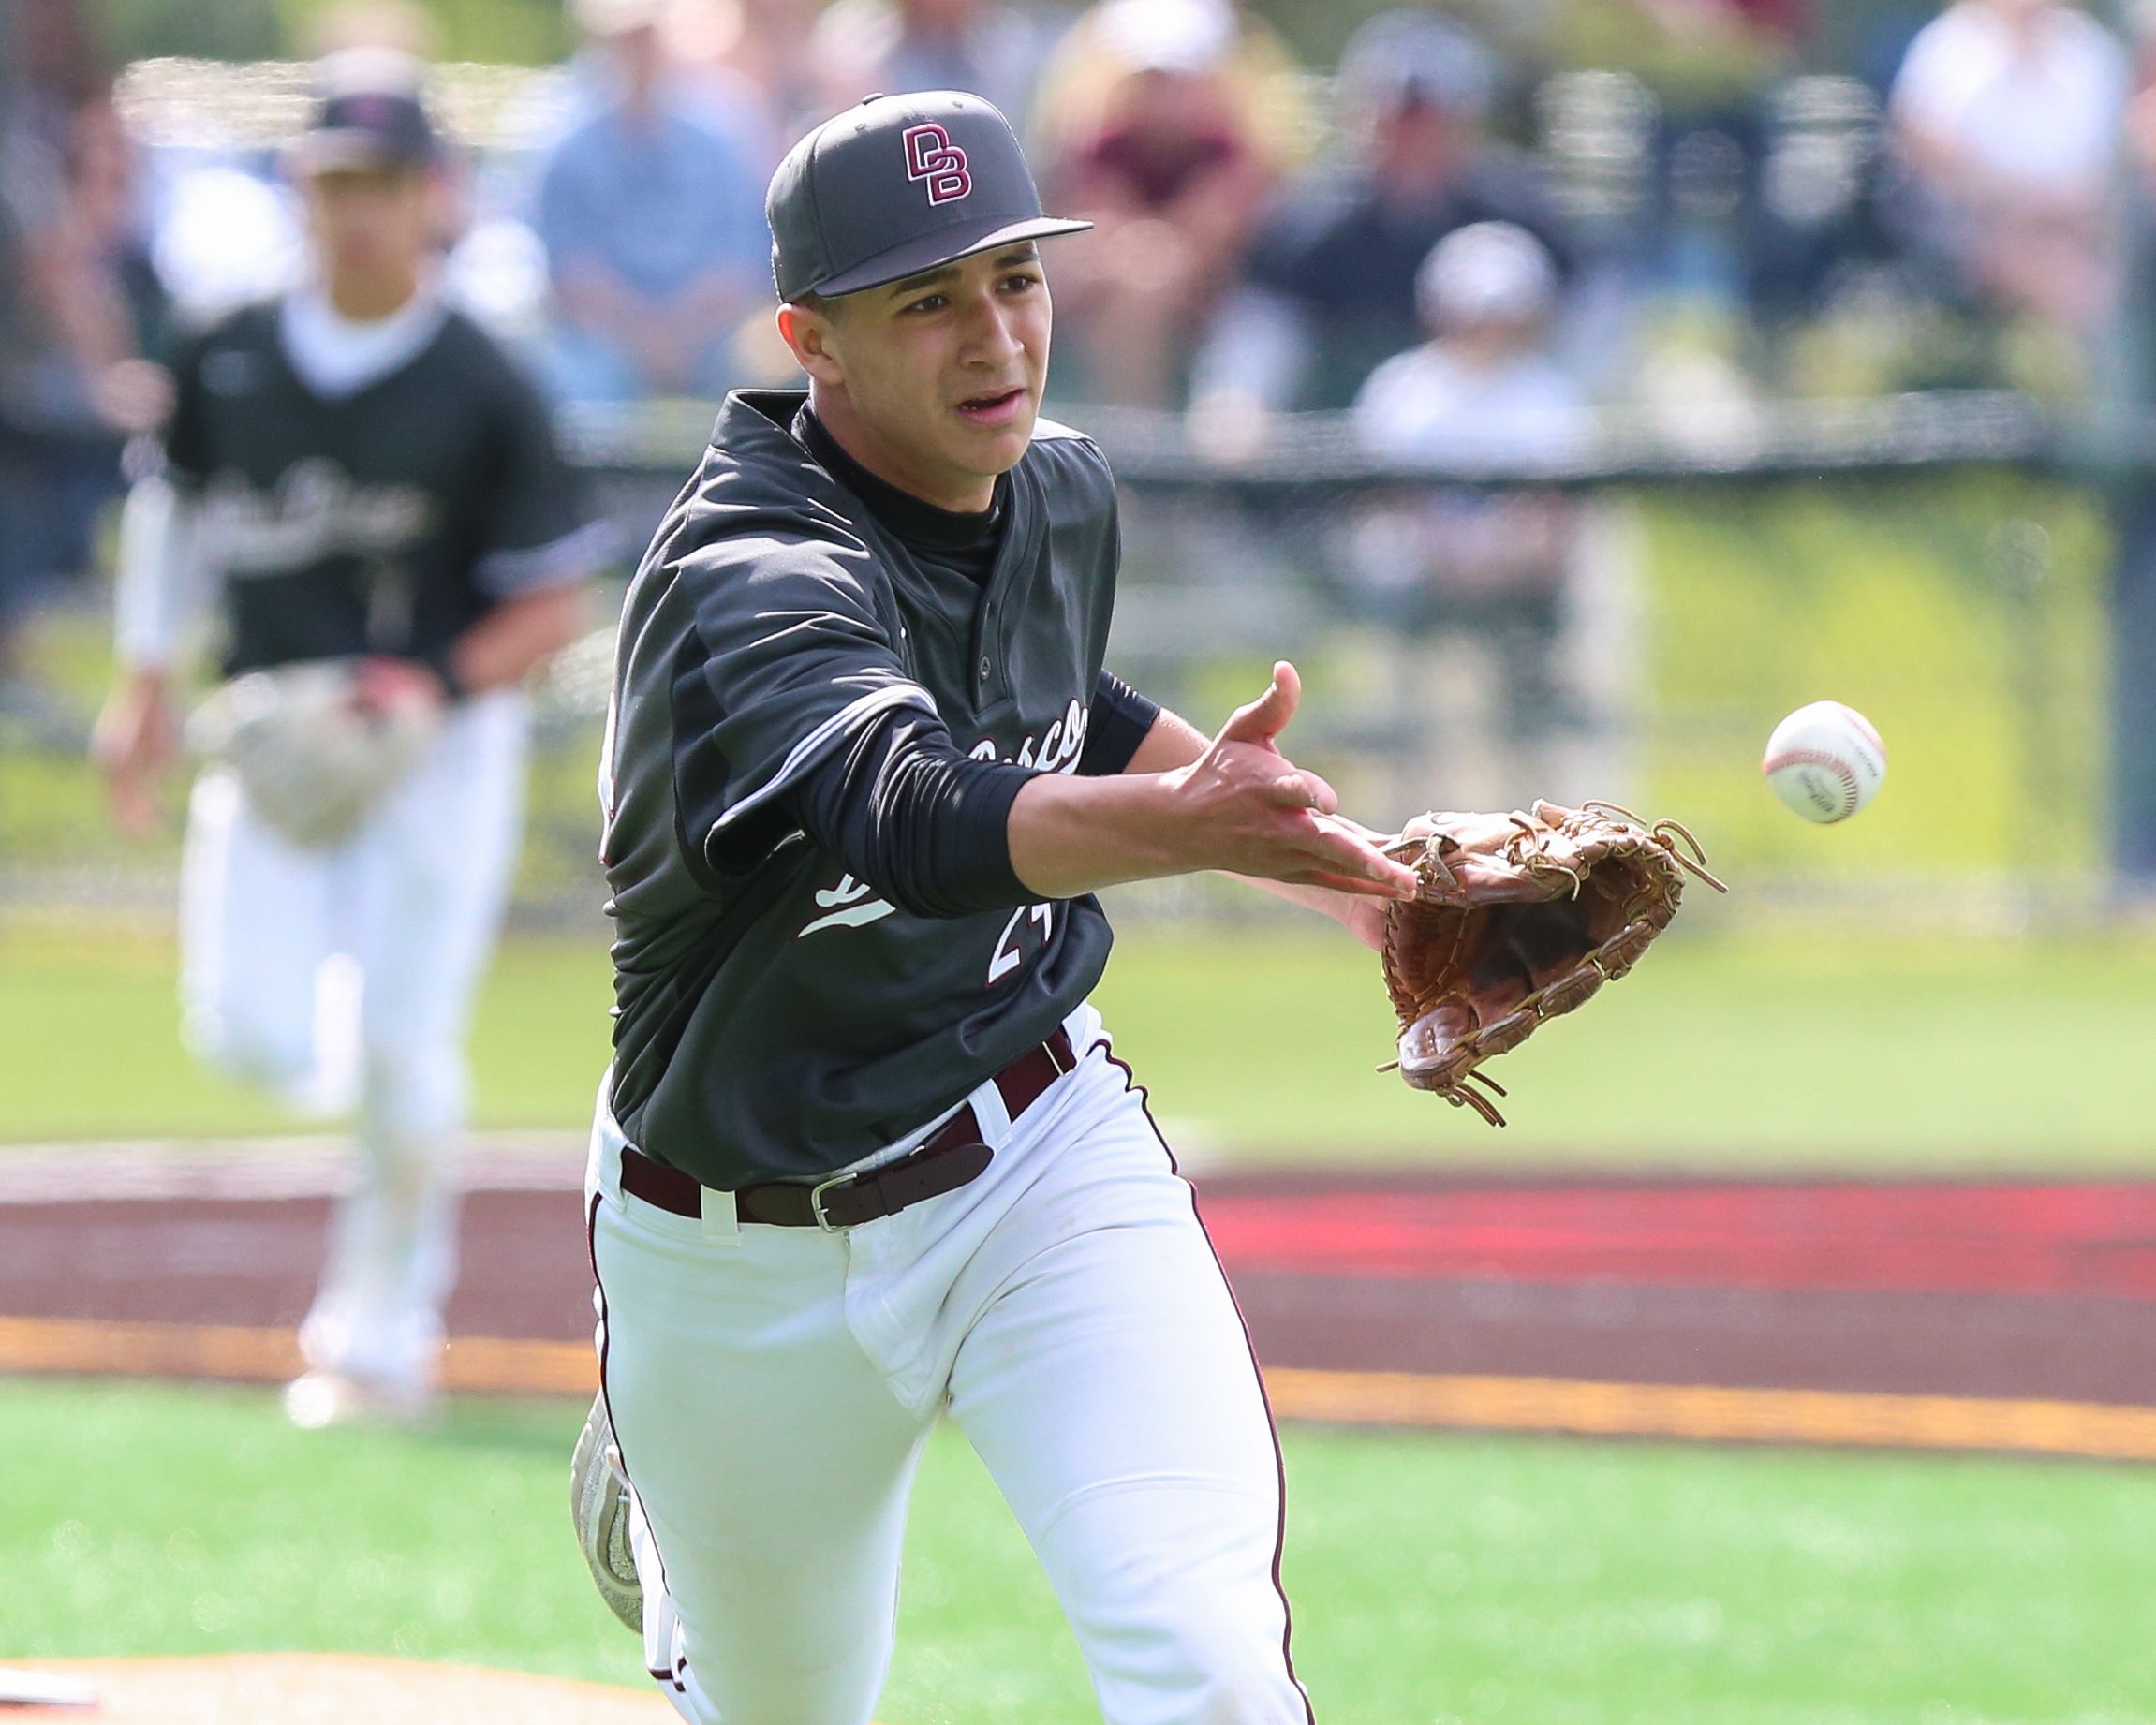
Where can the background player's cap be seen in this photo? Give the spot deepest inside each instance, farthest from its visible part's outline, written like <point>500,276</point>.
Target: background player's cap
<point>897,185</point>
<point>369,113</point>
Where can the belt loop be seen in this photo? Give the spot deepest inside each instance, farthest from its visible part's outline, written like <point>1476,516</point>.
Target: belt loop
<point>721,1223</point>
<point>602,1158</point>
<point>991,1114</point>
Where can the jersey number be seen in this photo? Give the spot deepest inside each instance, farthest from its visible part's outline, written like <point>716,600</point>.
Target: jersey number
<point>1011,948</point>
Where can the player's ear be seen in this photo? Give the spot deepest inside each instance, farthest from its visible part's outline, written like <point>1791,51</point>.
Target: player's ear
<point>806,333</point>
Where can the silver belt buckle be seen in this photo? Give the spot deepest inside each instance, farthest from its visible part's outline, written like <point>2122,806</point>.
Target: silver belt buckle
<point>816,1203</point>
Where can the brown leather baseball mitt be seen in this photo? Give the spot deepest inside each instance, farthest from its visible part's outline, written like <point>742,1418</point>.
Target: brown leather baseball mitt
<point>1521,918</point>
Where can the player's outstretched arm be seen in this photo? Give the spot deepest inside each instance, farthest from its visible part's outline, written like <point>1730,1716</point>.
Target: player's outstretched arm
<point>1174,742</point>
<point>517,634</point>
<point>135,742</point>
<point>163,589</point>
<point>1239,805</point>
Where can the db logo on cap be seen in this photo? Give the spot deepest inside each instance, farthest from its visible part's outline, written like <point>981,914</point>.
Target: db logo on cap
<point>933,158</point>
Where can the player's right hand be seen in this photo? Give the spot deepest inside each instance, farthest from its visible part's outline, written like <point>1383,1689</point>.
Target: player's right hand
<point>133,744</point>
<point>1244,807</point>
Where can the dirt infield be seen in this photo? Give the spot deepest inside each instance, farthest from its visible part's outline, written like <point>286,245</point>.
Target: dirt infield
<point>304,1689</point>
<point>2030,1297</point>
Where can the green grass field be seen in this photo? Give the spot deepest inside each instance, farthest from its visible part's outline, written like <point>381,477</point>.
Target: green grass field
<point>1439,1580</point>
<point>1436,1580</point>
<point>1731,1050</point>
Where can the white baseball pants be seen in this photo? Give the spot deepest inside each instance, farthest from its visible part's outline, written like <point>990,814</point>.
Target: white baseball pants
<point>771,1388</point>
<point>344,976</point>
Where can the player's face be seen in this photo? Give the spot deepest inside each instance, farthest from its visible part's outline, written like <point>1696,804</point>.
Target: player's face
<point>369,224</point>
<point>937,378</point>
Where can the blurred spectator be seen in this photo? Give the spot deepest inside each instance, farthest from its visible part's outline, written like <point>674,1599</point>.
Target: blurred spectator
<point>1331,283</point>
<point>1170,179</point>
<point>889,47</point>
<point>1491,564</point>
<point>1484,387</point>
<point>2006,117</point>
<point>88,308</point>
<point>652,217</point>
<point>760,57</point>
<point>1695,55</point>
<point>1262,78</point>
<point>102,291</point>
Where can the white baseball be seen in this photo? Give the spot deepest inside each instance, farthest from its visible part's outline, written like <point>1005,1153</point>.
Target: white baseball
<point>1826,760</point>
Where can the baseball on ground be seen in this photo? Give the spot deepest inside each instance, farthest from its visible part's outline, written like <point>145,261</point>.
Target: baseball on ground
<point>1824,760</point>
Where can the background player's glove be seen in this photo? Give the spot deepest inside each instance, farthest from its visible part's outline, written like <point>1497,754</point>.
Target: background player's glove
<point>1521,918</point>
<point>311,753</point>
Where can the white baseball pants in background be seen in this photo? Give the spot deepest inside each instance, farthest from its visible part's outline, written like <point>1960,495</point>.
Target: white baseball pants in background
<point>344,976</point>
<point>771,1388</point>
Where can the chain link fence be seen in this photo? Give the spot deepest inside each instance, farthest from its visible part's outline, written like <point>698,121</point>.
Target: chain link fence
<point>1626,618</point>
<point>1939,562</point>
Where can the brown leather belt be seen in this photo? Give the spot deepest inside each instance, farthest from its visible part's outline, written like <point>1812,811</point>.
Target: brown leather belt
<point>947,1162</point>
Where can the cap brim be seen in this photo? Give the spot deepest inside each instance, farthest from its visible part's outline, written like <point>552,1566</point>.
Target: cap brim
<point>332,149</point>
<point>933,251</point>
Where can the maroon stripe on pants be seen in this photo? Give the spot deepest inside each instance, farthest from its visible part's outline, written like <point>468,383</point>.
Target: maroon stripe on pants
<point>1271,1427</point>
<point>606,1338</point>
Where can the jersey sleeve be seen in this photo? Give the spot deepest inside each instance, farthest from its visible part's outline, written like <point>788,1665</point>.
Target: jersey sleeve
<point>1121,721</point>
<point>538,528</point>
<point>788,662</point>
<point>186,442</point>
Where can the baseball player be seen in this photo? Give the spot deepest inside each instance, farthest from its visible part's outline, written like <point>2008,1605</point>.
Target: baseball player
<point>354,472</point>
<point>864,1157</point>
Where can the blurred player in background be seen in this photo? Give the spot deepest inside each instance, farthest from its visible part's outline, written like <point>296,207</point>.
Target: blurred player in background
<point>354,472</point>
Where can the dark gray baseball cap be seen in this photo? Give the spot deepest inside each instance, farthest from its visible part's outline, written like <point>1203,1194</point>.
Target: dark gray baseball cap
<point>369,112</point>
<point>898,184</point>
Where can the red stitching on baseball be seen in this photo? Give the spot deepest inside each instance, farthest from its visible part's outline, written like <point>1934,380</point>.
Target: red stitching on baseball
<point>1814,757</point>
<point>1865,726</point>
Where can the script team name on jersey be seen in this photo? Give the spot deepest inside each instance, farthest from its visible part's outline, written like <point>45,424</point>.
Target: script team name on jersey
<point>318,511</point>
<point>850,904</point>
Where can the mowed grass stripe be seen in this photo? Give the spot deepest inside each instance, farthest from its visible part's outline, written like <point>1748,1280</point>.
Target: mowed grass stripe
<point>1259,1045</point>
<point>1698,1412</point>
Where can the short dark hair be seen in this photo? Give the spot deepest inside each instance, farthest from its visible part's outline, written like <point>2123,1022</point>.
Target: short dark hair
<point>824,305</point>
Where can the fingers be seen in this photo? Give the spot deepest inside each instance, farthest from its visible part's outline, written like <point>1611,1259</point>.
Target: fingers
<point>1340,852</point>
<point>1353,885</point>
<point>1265,718</point>
<point>1369,835</point>
<point>1297,788</point>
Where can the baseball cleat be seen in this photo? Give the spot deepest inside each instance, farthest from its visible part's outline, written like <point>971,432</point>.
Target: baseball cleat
<point>598,1502</point>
